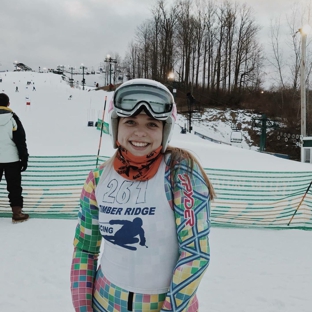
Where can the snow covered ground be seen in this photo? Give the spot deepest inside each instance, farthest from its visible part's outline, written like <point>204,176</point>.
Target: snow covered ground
<point>251,270</point>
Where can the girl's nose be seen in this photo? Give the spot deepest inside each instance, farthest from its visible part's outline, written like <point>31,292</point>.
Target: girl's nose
<point>140,132</point>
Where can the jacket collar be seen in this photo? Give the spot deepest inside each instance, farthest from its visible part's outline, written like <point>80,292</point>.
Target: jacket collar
<point>5,110</point>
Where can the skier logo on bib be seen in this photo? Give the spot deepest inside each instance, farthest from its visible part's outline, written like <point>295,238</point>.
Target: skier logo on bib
<point>130,233</point>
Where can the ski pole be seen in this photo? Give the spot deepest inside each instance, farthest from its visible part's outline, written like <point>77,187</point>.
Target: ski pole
<point>300,203</point>
<point>102,125</point>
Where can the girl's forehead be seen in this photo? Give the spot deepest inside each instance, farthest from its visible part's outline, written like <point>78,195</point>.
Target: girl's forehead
<point>141,116</point>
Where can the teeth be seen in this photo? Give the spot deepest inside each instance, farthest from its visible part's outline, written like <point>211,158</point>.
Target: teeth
<point>139,144</point>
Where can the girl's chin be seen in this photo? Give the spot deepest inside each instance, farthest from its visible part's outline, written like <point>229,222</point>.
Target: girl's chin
<point>137,152</point>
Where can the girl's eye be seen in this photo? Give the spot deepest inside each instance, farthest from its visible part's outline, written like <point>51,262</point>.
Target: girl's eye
<point>129,121</point>
<point>152,125</point>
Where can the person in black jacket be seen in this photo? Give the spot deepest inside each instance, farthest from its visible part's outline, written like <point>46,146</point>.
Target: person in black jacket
<point>13,156</point>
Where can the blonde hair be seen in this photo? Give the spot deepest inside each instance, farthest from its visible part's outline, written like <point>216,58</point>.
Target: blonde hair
<point>178,154</point>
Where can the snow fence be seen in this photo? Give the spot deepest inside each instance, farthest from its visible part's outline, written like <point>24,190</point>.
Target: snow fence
<point>52,186</point>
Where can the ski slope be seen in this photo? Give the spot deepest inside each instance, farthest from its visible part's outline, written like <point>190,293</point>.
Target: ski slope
<point>251,270</point>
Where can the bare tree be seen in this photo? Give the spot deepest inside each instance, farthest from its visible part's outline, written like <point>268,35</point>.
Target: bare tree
<point>247,49</point>
<point>230,24</point>
<point>278,61</point>
<point>208,42</point>
<point>168,22</point>
<point>185,35</point>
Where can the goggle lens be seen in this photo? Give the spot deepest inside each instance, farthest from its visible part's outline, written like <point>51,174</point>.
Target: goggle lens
<point>132,97</point>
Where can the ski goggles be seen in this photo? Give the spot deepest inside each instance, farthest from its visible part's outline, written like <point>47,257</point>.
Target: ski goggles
<point>131,98</point>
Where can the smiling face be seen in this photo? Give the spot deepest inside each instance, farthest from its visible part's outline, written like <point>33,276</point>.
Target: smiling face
<point>140,135</point>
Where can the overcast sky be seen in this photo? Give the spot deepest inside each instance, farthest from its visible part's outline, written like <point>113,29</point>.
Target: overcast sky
<point>48,33</point>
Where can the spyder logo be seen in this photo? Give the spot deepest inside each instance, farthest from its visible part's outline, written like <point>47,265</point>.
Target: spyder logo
<point>188,199</point>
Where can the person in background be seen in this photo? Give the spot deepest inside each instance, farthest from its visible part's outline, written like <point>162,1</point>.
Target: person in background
<point>13,156</point>
<point>150,204</point>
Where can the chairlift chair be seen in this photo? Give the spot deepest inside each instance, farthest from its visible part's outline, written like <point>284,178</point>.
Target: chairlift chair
<point>236,136</point>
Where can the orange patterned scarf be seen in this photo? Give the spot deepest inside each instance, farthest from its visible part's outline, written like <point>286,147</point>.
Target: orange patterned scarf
<point>140,168</point>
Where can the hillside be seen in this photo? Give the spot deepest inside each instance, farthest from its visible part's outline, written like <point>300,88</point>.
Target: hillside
<point>54,97</point>
<point>231,125</point>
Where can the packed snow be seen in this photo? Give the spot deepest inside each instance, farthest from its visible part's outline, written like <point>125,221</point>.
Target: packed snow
<point>251,270</point>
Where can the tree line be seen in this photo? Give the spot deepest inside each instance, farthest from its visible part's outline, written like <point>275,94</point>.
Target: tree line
<point>201,45</point>
<point>212,49</point>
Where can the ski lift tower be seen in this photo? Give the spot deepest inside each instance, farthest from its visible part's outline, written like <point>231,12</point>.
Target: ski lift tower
<point>71,79</point>
<point>110,61</point>
<point>190,101</point>
<point>83,74</point>
<point>263,123</point>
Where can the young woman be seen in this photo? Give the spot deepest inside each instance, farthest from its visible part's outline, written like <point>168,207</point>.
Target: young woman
<point>151,204</point>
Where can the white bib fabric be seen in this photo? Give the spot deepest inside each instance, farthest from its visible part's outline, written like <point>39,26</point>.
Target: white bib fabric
<point>138,226</point>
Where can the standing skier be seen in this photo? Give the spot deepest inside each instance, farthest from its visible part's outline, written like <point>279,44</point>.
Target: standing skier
<point>150,203</point>
<point>13,156</point>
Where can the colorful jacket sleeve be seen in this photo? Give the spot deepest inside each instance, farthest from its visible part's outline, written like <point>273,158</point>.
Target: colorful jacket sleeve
<point>191,205</point>
<point>87,243</point>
